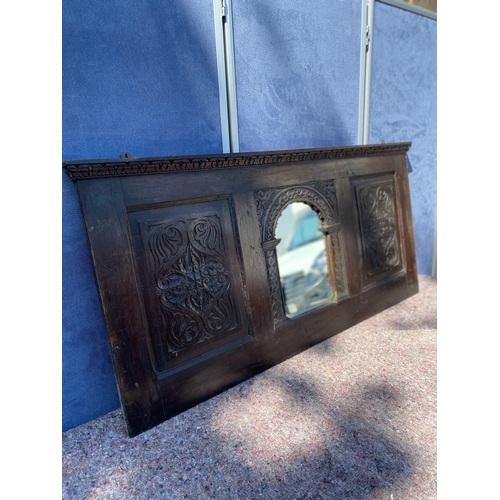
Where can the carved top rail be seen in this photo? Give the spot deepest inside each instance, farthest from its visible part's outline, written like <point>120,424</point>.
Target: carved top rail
<point>159,165</point>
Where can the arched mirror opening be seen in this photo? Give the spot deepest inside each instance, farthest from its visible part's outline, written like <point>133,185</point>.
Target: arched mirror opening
<point>302,260</point>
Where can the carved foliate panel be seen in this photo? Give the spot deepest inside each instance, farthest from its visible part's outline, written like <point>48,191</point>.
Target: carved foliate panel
<point>192,280</point>
<point>379,228</point>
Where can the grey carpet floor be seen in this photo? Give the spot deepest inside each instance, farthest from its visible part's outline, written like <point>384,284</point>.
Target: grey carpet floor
<point>351,418</point>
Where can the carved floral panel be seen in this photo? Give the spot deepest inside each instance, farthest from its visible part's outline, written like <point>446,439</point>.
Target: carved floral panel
<point>191,280</point>
<point>379,228</point>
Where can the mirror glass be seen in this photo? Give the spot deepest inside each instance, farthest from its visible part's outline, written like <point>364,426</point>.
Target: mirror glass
<point>302,260</point>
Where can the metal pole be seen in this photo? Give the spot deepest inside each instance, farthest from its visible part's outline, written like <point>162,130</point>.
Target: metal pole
<point>231,77</point>
<point>368,72</point>
<point>221,76</point>
<point>362,70</point>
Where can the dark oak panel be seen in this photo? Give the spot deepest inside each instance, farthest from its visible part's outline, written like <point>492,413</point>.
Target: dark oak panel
<point>191,278</point>
<point>184,251</point>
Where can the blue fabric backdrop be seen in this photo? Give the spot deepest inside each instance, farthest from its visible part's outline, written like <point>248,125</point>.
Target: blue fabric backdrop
<point>403,108</point>
<point>138,76</point>
<point>297,73</point>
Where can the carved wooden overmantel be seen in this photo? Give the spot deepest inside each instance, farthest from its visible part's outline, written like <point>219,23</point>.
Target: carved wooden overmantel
<point>184,252</point>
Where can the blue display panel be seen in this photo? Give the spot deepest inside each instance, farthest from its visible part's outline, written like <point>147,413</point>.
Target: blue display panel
<point>138,76</point>
<point>297,73</point>
<point>88,382</point>
<point>403,108</point>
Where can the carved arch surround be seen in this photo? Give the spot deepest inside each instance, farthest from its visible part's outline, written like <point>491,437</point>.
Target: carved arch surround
<point>321,197</point>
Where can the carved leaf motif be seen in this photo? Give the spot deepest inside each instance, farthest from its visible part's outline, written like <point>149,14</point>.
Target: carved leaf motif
<point>185,330</point>
<point>206,236</point>
<point>220,315</point>
<point>165,245</point>
<point>175,287</point>
<point>214,276</point>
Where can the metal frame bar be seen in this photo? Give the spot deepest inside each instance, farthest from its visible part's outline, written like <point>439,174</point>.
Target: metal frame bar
<point>368,73</point>
<point>221,75</point>
<point>223,19</point>
<point>231,77</point>
<point>365,75</point>
<point>362,71</point>
<point>412,8</point>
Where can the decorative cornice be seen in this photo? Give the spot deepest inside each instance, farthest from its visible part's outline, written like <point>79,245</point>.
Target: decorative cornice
<point>89,169</point>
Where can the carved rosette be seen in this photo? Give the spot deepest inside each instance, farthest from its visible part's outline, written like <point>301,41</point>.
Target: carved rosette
<point>192,281</point>
<point>270,203</point>
<point>379,228</point>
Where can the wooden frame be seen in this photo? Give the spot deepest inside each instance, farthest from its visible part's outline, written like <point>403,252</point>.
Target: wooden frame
<point>184,252</point>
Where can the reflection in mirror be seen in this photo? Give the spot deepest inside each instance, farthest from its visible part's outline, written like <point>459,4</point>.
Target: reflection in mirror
<point>302,260</point>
